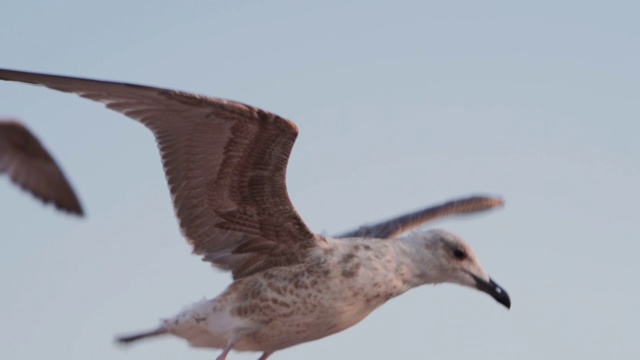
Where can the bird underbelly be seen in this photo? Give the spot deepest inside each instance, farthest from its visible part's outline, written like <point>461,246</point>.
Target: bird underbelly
<point>272,326</point>
<point>282,333</point>
<point>208,325</point>
<point>310,316</point>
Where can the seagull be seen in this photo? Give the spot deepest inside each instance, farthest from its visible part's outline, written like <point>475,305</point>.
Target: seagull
<point>30,166</point>
<point>225,164</point>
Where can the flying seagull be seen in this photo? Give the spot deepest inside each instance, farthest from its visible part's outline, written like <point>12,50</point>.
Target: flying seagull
<point>225,163</point>
<point>30,166</point>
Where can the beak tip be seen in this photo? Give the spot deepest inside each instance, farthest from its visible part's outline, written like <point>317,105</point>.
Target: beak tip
<point>494,290</point>
<point>507,303</point>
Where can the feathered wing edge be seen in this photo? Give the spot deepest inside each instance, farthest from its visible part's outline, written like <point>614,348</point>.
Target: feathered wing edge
<point>398,225</point>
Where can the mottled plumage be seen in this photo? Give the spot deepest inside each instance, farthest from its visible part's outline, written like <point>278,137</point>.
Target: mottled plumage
<point>30,166</point>
<point>225,163</point>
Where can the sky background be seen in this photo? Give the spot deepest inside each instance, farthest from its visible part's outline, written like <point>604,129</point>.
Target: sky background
<point>399,105</point>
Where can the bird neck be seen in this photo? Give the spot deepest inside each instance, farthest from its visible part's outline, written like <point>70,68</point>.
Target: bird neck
<point>399,265</point>
<point>421,266</point>
<point>392,266</point>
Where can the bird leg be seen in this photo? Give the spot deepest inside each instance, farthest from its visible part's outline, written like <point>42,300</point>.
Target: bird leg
<point>265,355</point>
<point>226,350</point>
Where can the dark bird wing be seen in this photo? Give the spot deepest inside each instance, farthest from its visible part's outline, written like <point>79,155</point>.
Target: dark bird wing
<point>31,167</point>
<point>398,225</point>
<point>225,163</point>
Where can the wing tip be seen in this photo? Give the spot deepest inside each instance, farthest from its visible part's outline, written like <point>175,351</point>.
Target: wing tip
<point>70,206</point>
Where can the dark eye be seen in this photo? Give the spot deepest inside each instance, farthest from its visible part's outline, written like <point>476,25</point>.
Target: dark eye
<point>459,254</point>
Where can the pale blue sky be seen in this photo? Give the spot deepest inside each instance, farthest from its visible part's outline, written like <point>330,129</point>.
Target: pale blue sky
<point>399,105</point>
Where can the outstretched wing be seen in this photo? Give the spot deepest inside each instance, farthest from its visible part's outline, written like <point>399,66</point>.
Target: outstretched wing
<point>31,167</point>
<point>225,163</point>
<point>398,225</point>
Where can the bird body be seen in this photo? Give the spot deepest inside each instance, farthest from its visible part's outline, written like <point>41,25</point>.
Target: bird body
<point>337,286</point>
<point>225,164</point>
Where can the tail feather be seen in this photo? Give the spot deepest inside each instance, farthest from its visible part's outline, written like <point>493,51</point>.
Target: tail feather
<point>125,340</point>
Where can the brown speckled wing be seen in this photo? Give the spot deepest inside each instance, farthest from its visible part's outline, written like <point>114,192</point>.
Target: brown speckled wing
<point>394,227</point>
<point>225,163</point>
<point>31,167</point>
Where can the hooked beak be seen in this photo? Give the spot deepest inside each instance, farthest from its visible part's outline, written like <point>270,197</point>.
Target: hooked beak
<point>493,289</point>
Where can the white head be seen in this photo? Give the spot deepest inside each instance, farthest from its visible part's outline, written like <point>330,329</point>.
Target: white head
<point>445,257</point>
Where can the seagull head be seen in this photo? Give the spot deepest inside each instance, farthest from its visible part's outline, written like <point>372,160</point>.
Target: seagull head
<point>450,259</point>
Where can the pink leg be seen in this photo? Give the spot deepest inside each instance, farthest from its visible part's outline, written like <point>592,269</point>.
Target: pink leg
<point>265,355</point>
<point>226,350</point>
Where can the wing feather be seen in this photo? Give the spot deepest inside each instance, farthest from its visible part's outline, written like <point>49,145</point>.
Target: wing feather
<point>225,164</point>
<point>395,227</point>
<point>30,166</point>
